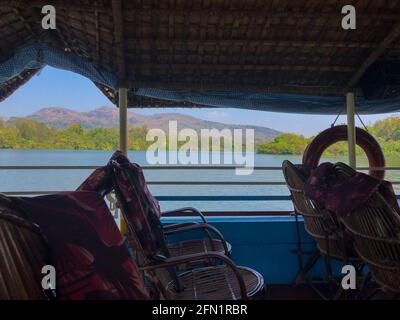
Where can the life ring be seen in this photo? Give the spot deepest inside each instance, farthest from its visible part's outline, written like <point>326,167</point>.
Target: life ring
<point>330,136</point>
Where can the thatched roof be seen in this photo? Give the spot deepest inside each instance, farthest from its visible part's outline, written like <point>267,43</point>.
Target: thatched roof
<point>8,87</point>
<point>236,45</point>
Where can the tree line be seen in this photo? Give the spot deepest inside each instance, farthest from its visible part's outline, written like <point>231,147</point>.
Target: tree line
<point>386,131</point>
<point>30,134</point>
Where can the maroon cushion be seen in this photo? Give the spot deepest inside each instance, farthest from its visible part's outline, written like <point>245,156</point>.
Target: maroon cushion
<point>343,196</point>
<point>90,256</point>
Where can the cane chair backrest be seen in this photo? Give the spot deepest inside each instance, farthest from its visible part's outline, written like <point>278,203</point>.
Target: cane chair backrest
<point>23,253</point>
<point>375,228</point>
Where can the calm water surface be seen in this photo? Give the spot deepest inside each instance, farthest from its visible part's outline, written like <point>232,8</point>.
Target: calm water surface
<point>61,180</point>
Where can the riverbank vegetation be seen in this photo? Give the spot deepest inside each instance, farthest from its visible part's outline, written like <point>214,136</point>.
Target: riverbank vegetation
<point>386,131</point>
<point>31,134</point>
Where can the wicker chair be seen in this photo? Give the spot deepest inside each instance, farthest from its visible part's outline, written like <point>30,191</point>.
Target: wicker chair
<point>104,179</point>
<point>211,239</point>
<point>332,242</point>
<point>375,229</point>
<point>221,281</point>
<point>23,253</point>
<point>208,274</point>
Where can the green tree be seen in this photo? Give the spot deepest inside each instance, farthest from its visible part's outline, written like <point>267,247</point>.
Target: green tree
<point>8,137</point>
<point>30,129</point>
<point>287,143</point>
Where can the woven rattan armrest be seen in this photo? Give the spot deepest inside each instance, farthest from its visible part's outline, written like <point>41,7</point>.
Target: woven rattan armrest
<point>199,257</point>
<point>206,228</point>
<point>177,225</point>
<point>186,210</point>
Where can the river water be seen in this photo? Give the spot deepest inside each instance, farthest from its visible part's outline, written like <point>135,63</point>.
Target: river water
<point>61,180</point>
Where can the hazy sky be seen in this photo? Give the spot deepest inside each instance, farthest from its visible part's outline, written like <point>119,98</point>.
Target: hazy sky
<point>65,89</point>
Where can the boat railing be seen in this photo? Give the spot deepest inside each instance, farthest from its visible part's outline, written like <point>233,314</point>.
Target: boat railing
<point>182,198</point>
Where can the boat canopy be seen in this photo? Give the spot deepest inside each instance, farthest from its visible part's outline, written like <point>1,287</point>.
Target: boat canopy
<point>283,56</point>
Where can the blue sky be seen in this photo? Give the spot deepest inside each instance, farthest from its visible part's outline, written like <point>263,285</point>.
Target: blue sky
<point>65,89</point>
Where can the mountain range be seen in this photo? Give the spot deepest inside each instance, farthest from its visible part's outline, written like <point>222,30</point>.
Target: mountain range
<point>108,117</point>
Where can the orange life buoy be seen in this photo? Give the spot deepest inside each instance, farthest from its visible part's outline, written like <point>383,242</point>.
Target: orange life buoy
<point>328,137</point>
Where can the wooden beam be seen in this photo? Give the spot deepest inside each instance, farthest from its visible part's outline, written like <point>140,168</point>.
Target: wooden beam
<point>260,43</point>
<point>375,54</point>
<point>119,40</point>
<point>247,67</point>
<point>307,90</point>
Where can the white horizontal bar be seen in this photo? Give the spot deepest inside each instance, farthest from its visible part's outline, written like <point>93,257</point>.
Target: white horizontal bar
<point>247,183</point>
<point>168,167</point>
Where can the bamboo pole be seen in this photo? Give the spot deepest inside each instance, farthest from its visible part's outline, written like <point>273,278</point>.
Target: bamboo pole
<point>123,136</point>
<point>351,128</point>
<point>123,120</point>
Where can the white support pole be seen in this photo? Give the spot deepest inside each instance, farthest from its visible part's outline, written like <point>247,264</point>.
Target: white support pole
<point>123,119</point>
<point>123,135</point>
<point>351,128</point>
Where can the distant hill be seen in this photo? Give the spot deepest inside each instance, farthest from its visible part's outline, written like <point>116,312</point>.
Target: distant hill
<point>108,117</point>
